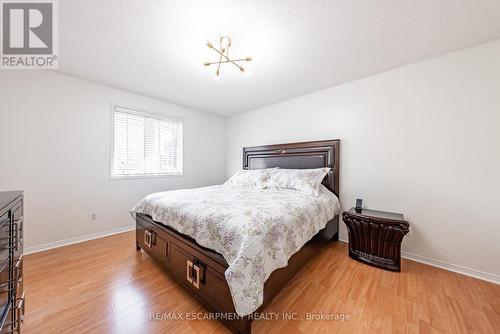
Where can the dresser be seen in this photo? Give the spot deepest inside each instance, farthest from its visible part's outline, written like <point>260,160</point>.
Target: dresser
<point>11,261</point>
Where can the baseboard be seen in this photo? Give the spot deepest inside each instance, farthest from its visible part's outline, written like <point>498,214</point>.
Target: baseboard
<point>449,266</point>
<point>66,242</point>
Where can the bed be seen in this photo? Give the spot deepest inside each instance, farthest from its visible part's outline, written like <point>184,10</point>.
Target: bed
<point>198,257</point>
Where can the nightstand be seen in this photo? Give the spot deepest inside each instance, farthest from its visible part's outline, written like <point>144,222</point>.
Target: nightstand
<point>375,237</point>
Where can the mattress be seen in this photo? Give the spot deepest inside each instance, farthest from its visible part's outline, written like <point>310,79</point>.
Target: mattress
<point>255,230</point>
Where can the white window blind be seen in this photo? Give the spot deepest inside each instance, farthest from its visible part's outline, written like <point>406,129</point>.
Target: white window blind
<point>145,144</point>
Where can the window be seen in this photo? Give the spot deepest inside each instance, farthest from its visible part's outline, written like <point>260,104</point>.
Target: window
<point>145,144</point>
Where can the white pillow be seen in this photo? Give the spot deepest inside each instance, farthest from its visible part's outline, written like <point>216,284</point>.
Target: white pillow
<point>307,181</point>
<point>250,178</point>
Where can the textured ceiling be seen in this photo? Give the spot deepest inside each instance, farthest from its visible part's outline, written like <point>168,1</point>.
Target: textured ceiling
<point>157,47</point>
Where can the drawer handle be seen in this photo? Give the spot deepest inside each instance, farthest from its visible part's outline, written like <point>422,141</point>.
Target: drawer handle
<point>20,310</point>
<point>18,270</point>
<point>193,274</point>
<point>18,232</point>
<point>147,238</point>
<point>153,238</point>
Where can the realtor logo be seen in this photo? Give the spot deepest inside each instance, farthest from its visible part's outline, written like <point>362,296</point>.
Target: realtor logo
<point>29,34</point>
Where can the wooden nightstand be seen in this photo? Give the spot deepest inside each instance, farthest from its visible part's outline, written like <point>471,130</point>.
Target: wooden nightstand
<point>375,237</point>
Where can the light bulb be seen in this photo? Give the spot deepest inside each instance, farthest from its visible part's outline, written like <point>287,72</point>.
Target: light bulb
<point>225,42</point>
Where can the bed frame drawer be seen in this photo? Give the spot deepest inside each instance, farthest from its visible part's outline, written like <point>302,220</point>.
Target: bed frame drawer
<point>189,268</point>
<point>148,239</point>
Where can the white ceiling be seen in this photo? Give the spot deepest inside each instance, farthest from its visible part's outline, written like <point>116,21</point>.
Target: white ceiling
<point>157,47</point>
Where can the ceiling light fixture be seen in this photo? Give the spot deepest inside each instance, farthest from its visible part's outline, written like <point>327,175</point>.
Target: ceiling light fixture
<point>223,53</point>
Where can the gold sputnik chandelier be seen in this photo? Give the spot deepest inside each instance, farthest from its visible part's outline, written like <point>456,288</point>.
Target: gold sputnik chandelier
<point>223,53</point>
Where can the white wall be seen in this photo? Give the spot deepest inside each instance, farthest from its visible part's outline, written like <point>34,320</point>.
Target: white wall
<point>55,145</point>
<point>423,140</point>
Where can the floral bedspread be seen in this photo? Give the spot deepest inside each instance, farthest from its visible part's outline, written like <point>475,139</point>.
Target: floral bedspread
<point>255,230</point>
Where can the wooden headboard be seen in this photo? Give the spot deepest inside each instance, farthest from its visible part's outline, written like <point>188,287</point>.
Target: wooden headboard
<point>313,154</point>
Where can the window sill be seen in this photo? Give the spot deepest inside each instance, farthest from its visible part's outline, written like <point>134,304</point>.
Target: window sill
<point>152,176</point>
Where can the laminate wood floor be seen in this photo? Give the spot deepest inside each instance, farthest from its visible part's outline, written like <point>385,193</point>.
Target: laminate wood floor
<point>106,286</point>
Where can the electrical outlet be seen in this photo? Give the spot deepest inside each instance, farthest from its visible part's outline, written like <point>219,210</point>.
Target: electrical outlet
<point>93,216</point>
